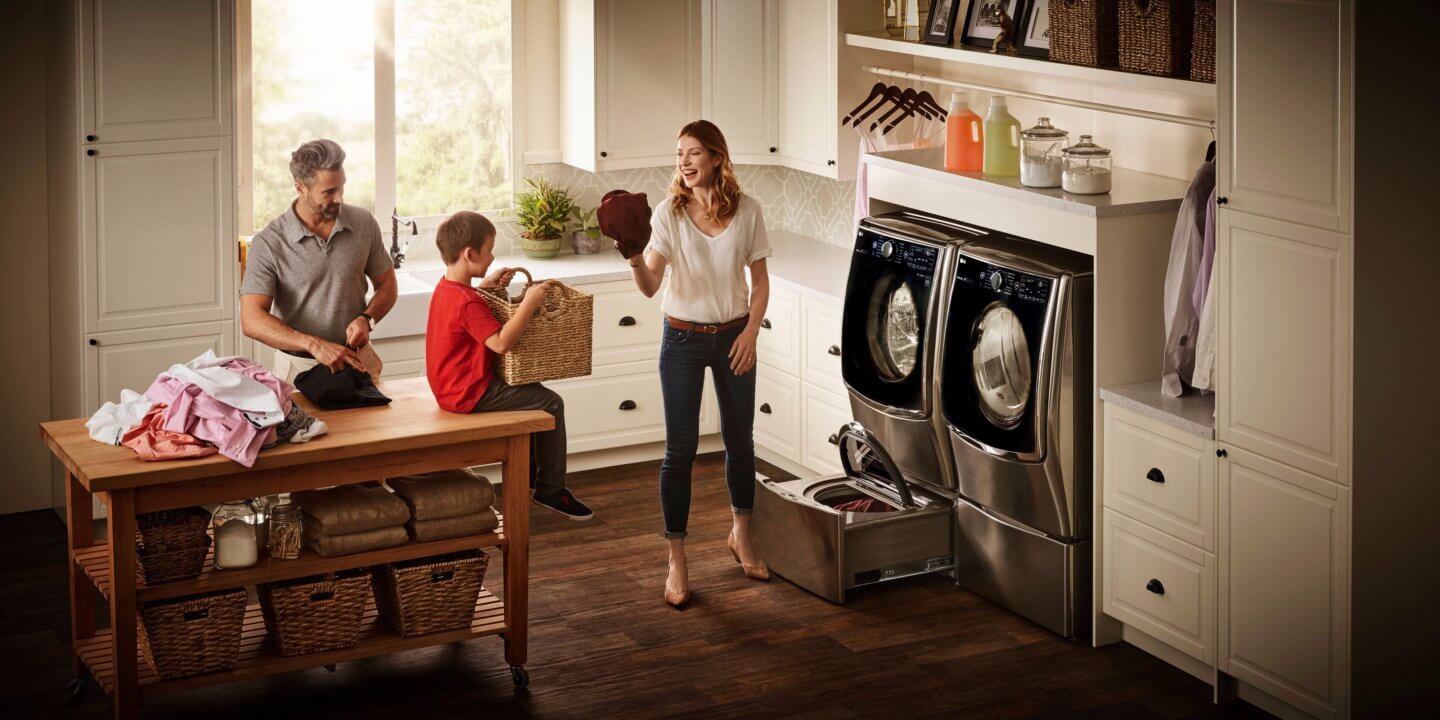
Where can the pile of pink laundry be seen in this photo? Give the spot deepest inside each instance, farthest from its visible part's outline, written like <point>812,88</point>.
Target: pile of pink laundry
<point>226,405</point>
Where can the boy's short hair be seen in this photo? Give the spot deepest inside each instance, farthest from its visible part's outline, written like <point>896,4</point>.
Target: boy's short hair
<point>461,230</point>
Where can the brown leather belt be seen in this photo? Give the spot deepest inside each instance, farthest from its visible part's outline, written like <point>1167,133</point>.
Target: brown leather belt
<point>707,329</point>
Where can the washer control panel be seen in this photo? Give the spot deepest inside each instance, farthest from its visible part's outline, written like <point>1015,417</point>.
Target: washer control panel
<point>1011,284</point>
<point>918,259</point>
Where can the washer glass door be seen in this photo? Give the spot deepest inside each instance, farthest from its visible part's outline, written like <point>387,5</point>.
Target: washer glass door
<point>894,330</point>
<point>1000,363</point>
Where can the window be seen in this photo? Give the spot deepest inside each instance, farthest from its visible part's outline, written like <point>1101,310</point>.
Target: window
<point>418,92</point>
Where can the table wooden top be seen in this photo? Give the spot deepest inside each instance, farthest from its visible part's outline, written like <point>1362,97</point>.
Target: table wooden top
<point>411,421</point>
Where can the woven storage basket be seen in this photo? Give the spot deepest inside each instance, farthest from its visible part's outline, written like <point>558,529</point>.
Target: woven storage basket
<point>192,636</point>
<point>160,563</point>
<point>556,344</point>
<point>1084,32</point>
<point>172,528</point>
<point>1202,44</point>
<point>430,595</point>
<point>1155,36</point>
<point>314,614</point>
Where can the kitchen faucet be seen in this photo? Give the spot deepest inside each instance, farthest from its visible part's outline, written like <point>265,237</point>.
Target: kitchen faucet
<point>397,255</point>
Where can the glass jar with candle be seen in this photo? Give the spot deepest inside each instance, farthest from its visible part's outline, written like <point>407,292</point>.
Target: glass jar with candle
<point>237,543</point>
<point>1040,161</point>
<point>1087,168</point>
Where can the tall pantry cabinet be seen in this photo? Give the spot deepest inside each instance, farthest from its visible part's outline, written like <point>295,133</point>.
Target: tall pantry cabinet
<point>142,196</point>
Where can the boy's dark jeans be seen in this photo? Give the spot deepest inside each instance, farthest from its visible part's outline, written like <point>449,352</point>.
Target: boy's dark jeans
<point>547,449</point>
<point>684,355</point>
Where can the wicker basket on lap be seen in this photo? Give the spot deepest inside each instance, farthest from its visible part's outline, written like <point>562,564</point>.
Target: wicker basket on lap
<point>556,344</point>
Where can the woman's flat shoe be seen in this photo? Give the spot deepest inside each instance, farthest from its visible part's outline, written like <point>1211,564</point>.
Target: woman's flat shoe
<point>758,571</point>
<point>677,600</point>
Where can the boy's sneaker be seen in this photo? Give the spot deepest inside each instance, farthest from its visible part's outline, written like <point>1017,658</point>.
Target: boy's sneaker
<point>565,504</point>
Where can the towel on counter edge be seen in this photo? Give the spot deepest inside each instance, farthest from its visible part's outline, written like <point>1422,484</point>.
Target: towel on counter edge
<point>351,543</point>
<point>453,527</point>
<point>351,509</point>
<point>444,494</point>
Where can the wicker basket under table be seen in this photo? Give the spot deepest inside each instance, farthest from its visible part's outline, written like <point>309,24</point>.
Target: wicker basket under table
<point>314,614</point>
<point>430,595</point>
<point>192,636</point>
<point>556,344</point>
<point>171,544</point>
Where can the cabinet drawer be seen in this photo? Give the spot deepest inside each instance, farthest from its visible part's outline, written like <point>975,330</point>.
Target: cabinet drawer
<point>608,412</point>
<point>777,412</point>
<point>1161,476</point>
<point>779,342</point>
<point>825,413</point>
<point>821,344</point>
<point>627,327</point>
<point>1160,586</point>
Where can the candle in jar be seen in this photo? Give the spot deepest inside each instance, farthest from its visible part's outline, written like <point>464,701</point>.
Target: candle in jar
<point>235,545</point>
<point>1086,180</point>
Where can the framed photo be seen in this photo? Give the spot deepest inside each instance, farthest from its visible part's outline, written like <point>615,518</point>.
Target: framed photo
<point>940,25</point>
<point>982,24</point>
<point>1035,33</point>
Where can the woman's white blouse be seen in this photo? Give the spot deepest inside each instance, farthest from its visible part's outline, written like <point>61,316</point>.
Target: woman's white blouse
<point>707,282</point>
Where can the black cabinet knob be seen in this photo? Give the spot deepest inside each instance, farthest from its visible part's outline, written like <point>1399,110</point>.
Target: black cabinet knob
<point>89,138</point>
<point>833,350</point>
<point>765,408</point>
<point>829,162</point>
<point>627,405</point>
<point>1221,453</point>
<point>627,321</point>
<point>834,439</point>
<point>1222,200</point>
<point>1155,586</point>
<point>1155,475</point>
<point>90,151</point>
<point>604,154</point>
<point>765,323</point>
<point>94,342</point>
<point>772,150</point>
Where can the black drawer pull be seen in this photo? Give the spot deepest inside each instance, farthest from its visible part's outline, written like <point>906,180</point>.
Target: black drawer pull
<point>1155,475</point>
<point>765,323</point>
<point>604,154</point>
<point>765,408</point>
<point>89,138</point>
<point>1221,453</point>
<point>833,350</point>
<point>94,342</point>
<point>627,321</point>
<point>774,149</point>
<point>627,405</point>
<point>1155,586</point>
<point>90,152</point>
<point>834,439</point>
<point>830,162</point>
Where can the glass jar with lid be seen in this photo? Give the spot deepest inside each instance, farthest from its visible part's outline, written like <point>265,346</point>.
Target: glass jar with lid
<point>1040,148</point>
<point>285,531</point>
<point>237,544</point>
<point>1087,168</point>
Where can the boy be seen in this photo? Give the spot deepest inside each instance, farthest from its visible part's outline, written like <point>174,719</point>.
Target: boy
<point>461,338</point>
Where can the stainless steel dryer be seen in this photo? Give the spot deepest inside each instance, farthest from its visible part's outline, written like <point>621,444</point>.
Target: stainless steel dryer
<point>898,276</point>
<point>1015,387</point>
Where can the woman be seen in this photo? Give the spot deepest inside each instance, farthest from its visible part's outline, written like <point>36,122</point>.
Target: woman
<point>707,232</point>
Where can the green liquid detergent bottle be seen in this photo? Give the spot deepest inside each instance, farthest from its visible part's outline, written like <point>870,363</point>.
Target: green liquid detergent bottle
<point>1002,140</point>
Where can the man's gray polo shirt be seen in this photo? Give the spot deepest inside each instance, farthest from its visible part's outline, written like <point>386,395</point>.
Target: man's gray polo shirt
<point>318,285</point>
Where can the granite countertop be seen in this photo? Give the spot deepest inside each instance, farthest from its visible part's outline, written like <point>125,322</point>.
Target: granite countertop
<point>1193,412</point>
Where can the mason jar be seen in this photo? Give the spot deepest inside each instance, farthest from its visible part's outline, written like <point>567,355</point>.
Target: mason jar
<point>237,543</point>
<point>1040,159</point>
<point>1087,168</point>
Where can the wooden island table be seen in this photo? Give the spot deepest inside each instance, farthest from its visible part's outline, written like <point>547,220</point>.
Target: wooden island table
<point>411,435</point>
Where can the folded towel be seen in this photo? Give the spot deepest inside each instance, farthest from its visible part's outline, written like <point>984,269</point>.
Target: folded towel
<point>453,527</point>
<point>444,494</point>
<point>351,509</point>
<point>351,543</point>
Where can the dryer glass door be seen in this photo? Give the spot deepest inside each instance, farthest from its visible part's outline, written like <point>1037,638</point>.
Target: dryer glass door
<point>894,331</point>
<point>1000,361</point>
<point>887,306</point>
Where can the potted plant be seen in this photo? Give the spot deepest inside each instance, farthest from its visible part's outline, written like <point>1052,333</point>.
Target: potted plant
<point>543,210</point>
<point>586,239</point>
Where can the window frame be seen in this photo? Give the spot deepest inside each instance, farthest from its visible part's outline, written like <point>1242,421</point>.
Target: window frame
<point>386,173</point>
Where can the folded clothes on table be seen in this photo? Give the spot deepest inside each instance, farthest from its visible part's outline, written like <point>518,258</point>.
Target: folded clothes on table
<point>351,509</point>
<point>351,543</point>
<point>444,494</point>
<point>453,527</point>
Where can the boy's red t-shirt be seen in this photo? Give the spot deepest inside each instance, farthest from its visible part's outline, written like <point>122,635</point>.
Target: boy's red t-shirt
<point>457,363</point>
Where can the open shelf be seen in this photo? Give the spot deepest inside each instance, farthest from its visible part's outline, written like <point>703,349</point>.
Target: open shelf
<point>1022,63</point>
<point>259,658</point>
<point>95,561</point>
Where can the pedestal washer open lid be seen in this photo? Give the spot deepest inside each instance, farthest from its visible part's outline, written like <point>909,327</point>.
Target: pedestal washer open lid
<point>865,461</point>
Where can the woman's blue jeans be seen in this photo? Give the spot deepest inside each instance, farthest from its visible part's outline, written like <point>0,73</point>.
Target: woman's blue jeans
<point>684,356</point>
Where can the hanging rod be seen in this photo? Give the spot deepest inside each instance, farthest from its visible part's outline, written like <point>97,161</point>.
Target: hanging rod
<point>1163,117</point>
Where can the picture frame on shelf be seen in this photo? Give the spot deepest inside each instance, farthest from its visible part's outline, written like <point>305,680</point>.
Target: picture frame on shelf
<point>940,24</point>
<point>982,29</point>
<point>1035,33</point>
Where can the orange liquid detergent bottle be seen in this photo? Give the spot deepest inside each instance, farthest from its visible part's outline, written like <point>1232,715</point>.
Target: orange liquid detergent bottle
<point>964,137</point>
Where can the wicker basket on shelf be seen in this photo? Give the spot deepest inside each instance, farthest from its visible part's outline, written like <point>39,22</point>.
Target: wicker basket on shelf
<point>171,544</point>
<point>1155,36</point>
<point>1202,45</point>
<point>192,636</point>
<point>430,595</point>
<point>161,563</point>
<point>1084,32</point>
<point>314,614</point>
<point>556,344</point>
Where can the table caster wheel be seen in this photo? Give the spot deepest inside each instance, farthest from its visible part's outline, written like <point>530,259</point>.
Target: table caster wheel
<point>76,689</point>
<point>521,676</point>
<point>330,668</point>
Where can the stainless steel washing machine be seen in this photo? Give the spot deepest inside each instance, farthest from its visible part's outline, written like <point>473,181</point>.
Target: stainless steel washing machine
<point>898,277</point>
<point>1014,383</point>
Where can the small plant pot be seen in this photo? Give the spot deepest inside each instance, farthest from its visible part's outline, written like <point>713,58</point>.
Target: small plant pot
<point>540,249</point>
<point>583,244</point>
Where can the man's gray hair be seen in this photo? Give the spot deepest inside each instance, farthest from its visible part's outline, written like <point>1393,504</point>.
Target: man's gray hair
<point>314,156</point>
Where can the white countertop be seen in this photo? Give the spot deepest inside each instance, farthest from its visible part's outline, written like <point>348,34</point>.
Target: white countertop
<point>1193,413</point>
<point>1131,193</point>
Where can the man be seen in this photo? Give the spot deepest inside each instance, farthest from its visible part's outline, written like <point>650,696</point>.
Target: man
<point>304,287</point>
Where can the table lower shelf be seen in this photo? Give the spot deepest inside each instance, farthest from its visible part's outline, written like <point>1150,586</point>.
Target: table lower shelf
<point>259,658</point>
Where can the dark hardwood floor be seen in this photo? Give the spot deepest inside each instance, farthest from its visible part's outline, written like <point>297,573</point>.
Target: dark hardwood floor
<point>603,643</point>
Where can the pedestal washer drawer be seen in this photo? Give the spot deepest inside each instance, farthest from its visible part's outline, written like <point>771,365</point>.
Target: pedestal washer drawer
<point>1160,586</point>
<point>1161,476</point>
<point>778,344</point>
<point>627,326</point>
<point>820,353</point>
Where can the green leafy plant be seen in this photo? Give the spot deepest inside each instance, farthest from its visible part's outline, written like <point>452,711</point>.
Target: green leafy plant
<point>588,222</point>
<point>543,209</point>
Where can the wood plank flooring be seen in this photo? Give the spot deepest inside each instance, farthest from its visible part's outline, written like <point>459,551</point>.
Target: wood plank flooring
<point>603,644</point>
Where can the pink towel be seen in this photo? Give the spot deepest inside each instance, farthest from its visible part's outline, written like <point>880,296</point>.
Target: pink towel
<point>152,442</point>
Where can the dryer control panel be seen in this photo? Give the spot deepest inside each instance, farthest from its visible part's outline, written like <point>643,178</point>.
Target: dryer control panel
<point>1002,281</point>
<point>919,259</point>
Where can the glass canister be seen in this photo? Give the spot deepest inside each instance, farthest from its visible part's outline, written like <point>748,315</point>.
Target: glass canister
<point>1040,161</point>
<point>1087,168</point>
<point>261,505</point>
<point>285,531</point>
<point>237,543</point>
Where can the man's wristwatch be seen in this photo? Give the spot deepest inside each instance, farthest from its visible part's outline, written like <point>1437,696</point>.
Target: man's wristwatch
<point>368,320</point>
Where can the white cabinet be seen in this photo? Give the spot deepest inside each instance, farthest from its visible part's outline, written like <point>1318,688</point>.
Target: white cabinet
<point>1284,108</point>
<point>1284,342</point>
<point>809,63</point>
<point>158,232</point>
<point>1285,582</point>
<point>133,358</point>
<point>1163,587</point>
<point>825,413</point>
<point>799,379</point>
<point>627,324</point>
<point>820,343</point>
<point>778,344</point>
<point>777,411</point>
<point>155,70</point>
<point>739,73</point>
<point>1161,476</point>
<point>610,412</point>
<point>629,80</point>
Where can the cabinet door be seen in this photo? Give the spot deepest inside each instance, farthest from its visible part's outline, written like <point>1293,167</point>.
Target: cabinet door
<point>1284,102</point>
<point>808,66</point>
<point>778,410</point>
<point>1284,582</point>
<point>131,359</point>
<point>648,79</point>
<point>778,344</point>
<point>1284,342</point>
<point>739,73</point>
<point>825,413</point>
<point>158,234</point>
<point>155,70</point>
